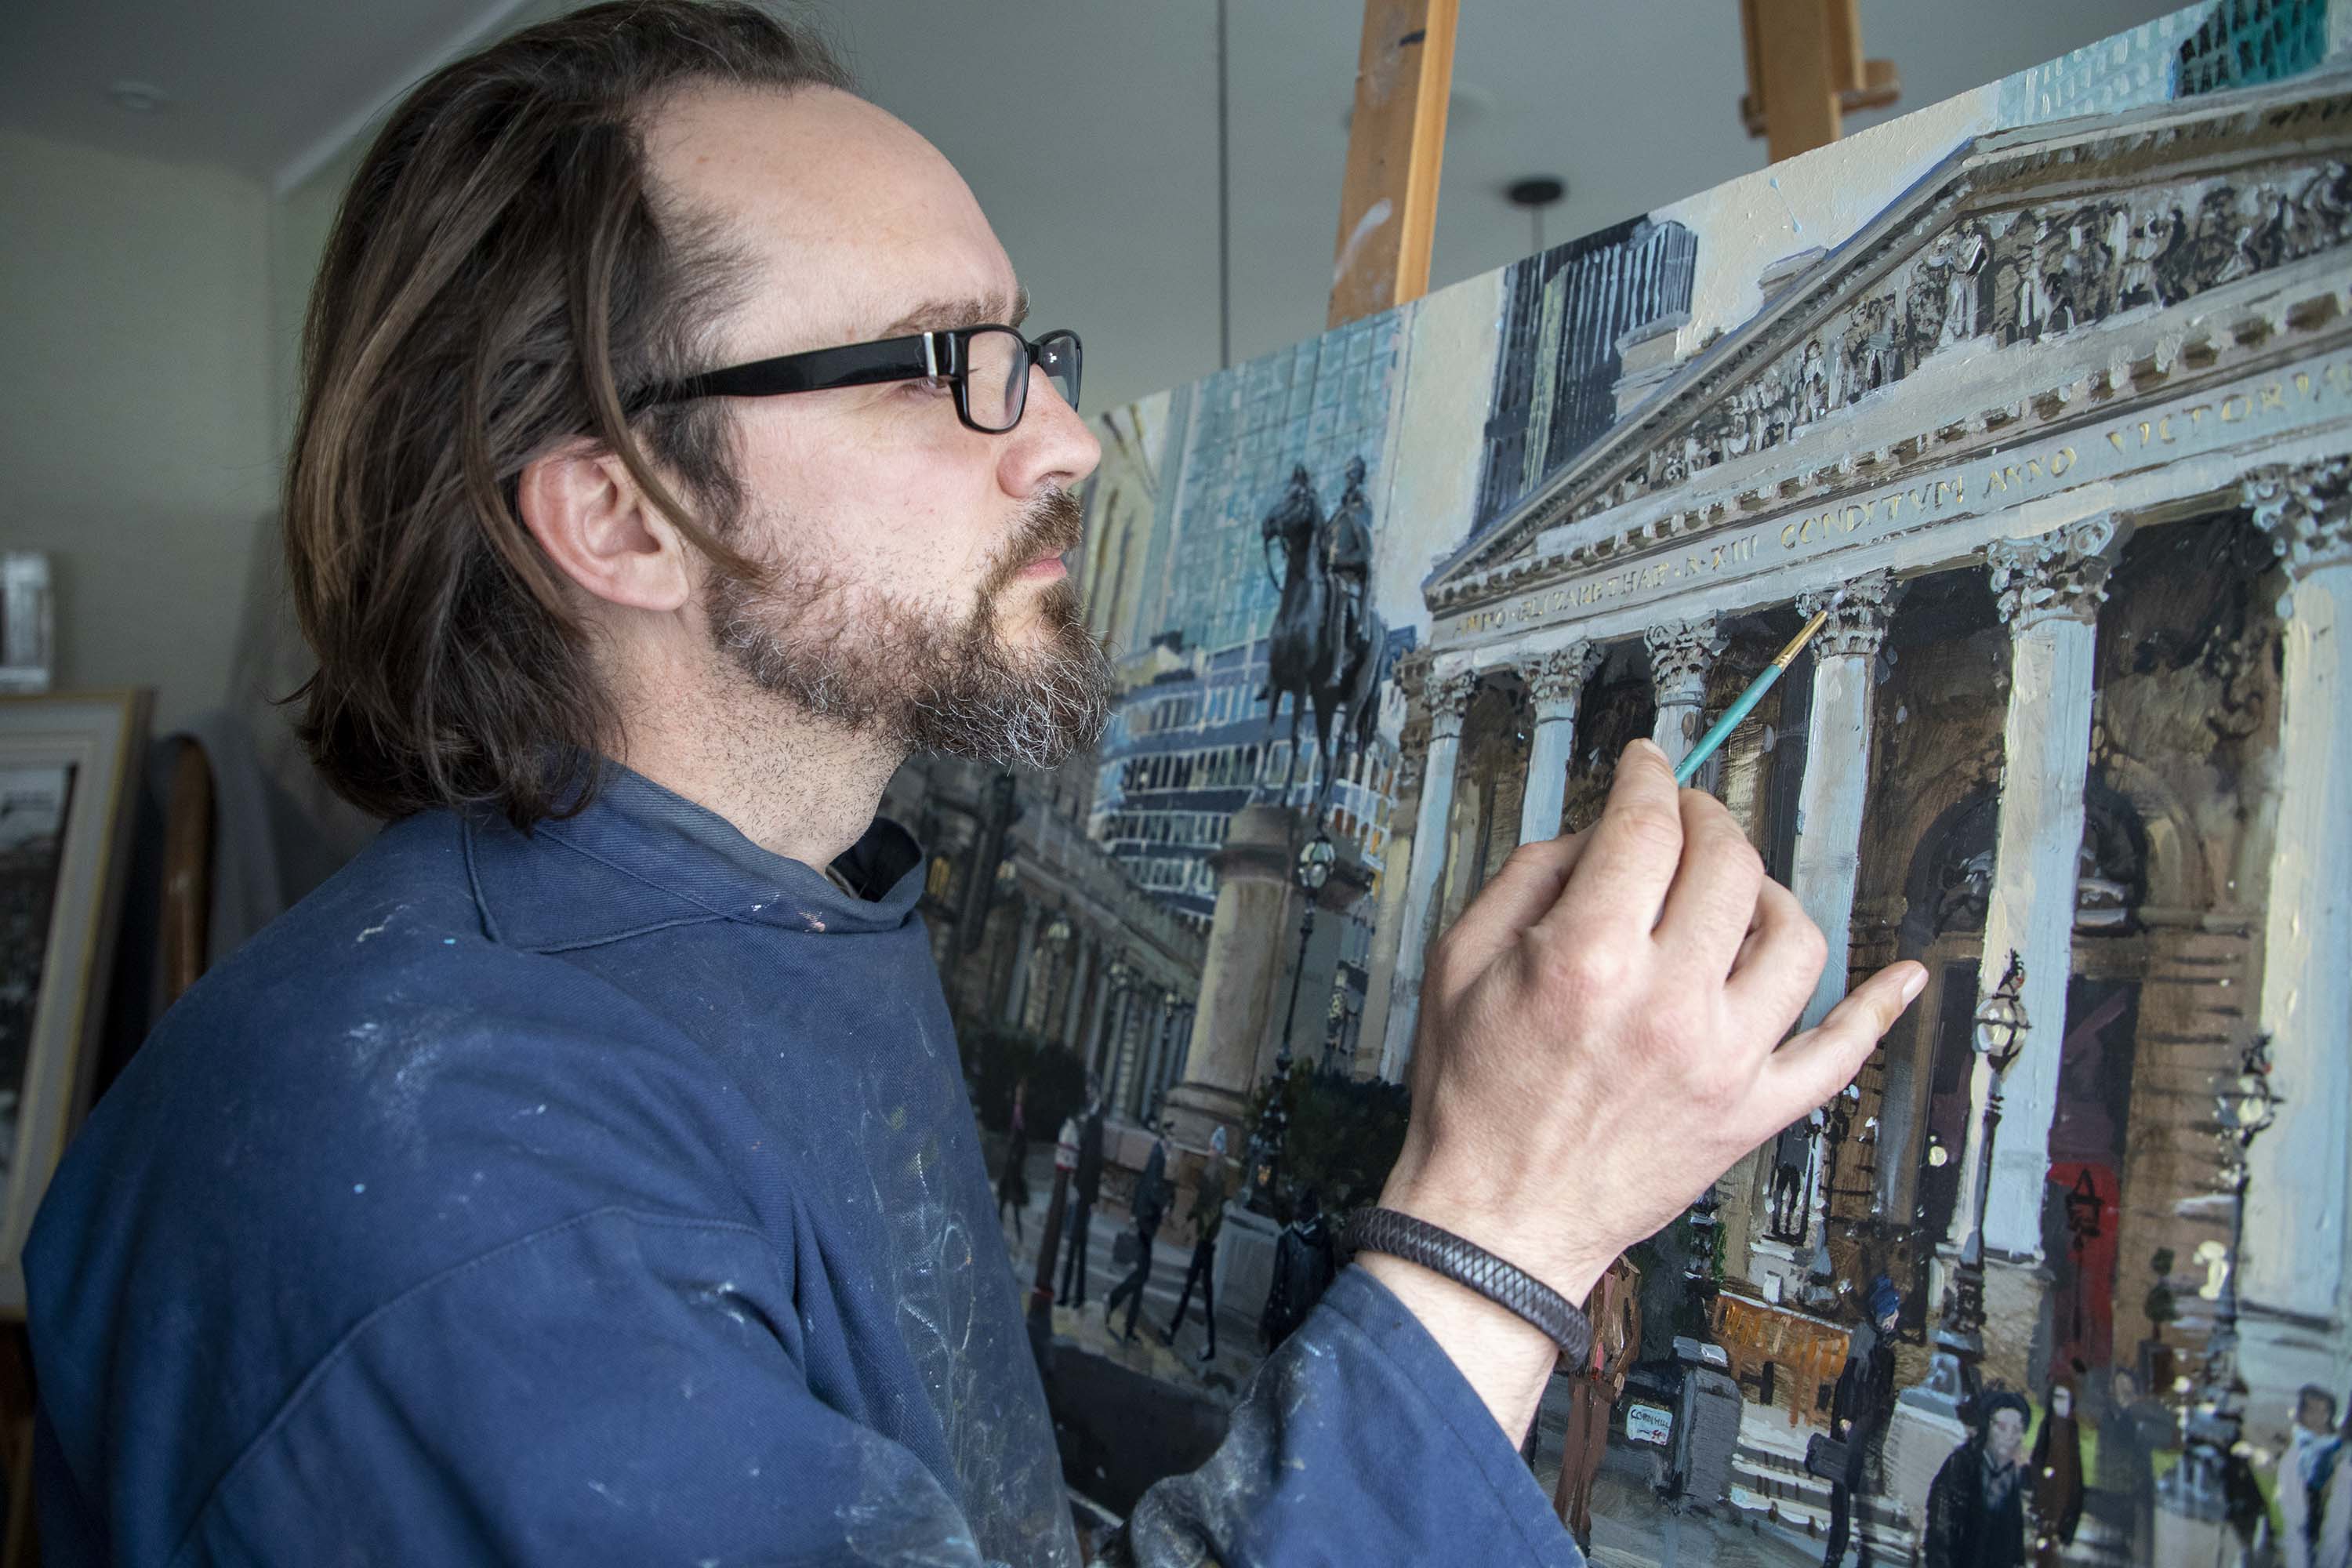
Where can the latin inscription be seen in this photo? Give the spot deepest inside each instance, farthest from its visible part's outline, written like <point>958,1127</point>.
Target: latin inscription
<point>1997,482</point>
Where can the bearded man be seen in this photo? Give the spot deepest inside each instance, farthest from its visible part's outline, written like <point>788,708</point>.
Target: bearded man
<point>583,1175</point>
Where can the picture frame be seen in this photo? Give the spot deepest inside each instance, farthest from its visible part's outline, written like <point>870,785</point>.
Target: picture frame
<point>67,768</point>
<point>28,623</point>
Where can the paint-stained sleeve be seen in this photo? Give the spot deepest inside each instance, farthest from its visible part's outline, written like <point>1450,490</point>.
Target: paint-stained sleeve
<point>617,1389</point>
<point>1356,1442</point>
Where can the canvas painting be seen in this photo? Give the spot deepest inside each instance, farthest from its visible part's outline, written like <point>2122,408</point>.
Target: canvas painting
<point>33,804</point>
<point>64,809</point>
<point>2042,396</point>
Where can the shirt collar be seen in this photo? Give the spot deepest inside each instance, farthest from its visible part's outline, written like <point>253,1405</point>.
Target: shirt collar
<point>640,858</point>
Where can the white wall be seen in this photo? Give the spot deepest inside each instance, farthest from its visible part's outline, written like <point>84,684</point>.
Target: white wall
<point>139,441</point>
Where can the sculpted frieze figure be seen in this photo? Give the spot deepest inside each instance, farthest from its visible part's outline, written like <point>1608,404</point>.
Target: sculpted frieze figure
<point>2016,276</point>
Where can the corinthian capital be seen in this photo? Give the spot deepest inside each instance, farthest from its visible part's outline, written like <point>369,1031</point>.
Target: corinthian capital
<point>1448,699</point>
<point>1680,653</point>
<point>2306,510</point>
<point>1856,627</point>
<point>2062,574</point>
<point>1557,677</point>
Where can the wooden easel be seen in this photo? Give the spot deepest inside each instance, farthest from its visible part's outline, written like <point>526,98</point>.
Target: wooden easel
<point>1396,145</point>
<point>1805,72</point>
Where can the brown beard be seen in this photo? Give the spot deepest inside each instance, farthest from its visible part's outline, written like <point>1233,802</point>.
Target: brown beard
<point>881,666</point>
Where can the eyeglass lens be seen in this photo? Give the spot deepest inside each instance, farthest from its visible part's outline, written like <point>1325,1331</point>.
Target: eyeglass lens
<point>996,384</point>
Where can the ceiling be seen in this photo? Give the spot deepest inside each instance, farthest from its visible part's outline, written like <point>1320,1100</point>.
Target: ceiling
<point>1089,131</point>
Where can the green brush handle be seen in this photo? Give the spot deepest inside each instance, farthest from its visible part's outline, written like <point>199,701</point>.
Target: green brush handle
<point>1725,725</point>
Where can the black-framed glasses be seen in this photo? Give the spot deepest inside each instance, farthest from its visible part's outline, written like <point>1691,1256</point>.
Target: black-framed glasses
<point>986,367</point>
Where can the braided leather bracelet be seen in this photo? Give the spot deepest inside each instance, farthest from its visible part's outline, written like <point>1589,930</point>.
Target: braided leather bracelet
<point>1473,1268</point>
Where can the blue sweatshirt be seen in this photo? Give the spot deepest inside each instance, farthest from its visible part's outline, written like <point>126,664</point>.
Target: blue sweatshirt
<point>609,1195</point>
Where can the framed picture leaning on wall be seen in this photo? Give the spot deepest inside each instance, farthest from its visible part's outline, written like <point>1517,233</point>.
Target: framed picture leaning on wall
<point>65,798</point>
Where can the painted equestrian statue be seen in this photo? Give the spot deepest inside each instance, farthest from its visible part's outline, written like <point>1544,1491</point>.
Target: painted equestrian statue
<point>1324,650</point>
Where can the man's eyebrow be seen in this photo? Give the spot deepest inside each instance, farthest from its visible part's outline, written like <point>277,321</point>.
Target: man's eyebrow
<point>973,311</point>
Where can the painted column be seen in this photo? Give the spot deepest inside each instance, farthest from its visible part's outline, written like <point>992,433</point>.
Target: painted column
<point>1083,964</point>
<point>1148,1046</point>
<point>2049,590</point>
<point>2295,1283</point>
<point>1024,947</point>
<point>1106,991</point>
<point>1116,1046</point>
<point>1180,1030</point>
<point>1680,655</point>
<point>1556,682</point>
<point>1388,921</point>
<point>1828,806</point>
<point>1837,768</point>
<point>1448,697</point>
<point>1162,1018</point>
<point>1240,994</point>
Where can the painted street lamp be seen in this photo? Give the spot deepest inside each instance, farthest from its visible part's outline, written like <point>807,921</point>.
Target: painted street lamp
<point>2085,1209</point>
<point>2000,1034</point>
<point>2212,1483</point>
<point>1312,870</point>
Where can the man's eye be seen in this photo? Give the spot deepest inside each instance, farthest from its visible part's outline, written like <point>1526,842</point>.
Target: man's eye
<point>932,384</point>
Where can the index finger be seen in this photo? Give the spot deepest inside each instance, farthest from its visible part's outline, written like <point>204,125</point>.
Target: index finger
<point>1631,853</point>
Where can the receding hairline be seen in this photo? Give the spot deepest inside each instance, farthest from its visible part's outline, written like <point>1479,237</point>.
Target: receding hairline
<point>871,315</point>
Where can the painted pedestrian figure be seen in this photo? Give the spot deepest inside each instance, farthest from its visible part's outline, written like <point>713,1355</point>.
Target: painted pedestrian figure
<point>1859,1410</point>
<point>1150,1208</point>
<point>1615,1308</point>
<point>2306,1473</point>
<point>1086,1188</point>
<point>1976,1507</point>
<point>2332,1496</point>
<point>1012,1181</point>
<point>2057,1467</point>
<point>1303,1263</point>
<point>2132,1430</point>
<point>1792,1153</point>
<point>1208,1216</point>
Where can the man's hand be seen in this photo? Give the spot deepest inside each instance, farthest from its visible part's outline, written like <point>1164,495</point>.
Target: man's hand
<point>1600,1040</point>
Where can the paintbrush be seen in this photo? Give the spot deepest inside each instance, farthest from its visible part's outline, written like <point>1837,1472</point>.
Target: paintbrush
<point>1747,700</point>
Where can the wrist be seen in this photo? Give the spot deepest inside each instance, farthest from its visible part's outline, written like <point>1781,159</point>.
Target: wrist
<point>1565,1263</point>
<point>1505,1360</point>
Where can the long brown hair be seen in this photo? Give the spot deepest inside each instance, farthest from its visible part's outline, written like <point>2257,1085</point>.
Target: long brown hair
<point>504,277</point>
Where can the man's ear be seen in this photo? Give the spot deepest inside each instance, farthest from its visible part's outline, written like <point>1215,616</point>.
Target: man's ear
<point>600,530</point>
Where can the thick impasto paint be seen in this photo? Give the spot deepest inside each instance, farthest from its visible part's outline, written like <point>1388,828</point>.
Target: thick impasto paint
<point>2045,394</point>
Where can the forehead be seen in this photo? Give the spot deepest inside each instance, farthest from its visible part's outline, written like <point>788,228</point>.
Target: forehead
<point>851,221</point>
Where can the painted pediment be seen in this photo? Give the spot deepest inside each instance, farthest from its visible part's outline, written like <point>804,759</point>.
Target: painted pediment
<point>2014,242</point>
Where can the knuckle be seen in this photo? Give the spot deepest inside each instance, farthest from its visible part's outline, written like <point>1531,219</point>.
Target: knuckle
<point>1589,968</point>
<point>1532,855</point>
<point>1648,828</point>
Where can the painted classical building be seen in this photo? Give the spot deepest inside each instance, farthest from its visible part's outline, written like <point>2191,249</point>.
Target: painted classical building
<point>2059,441</point>
<point>1035,929</point>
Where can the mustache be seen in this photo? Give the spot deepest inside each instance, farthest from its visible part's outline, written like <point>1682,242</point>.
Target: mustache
<point>1053,524</point>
